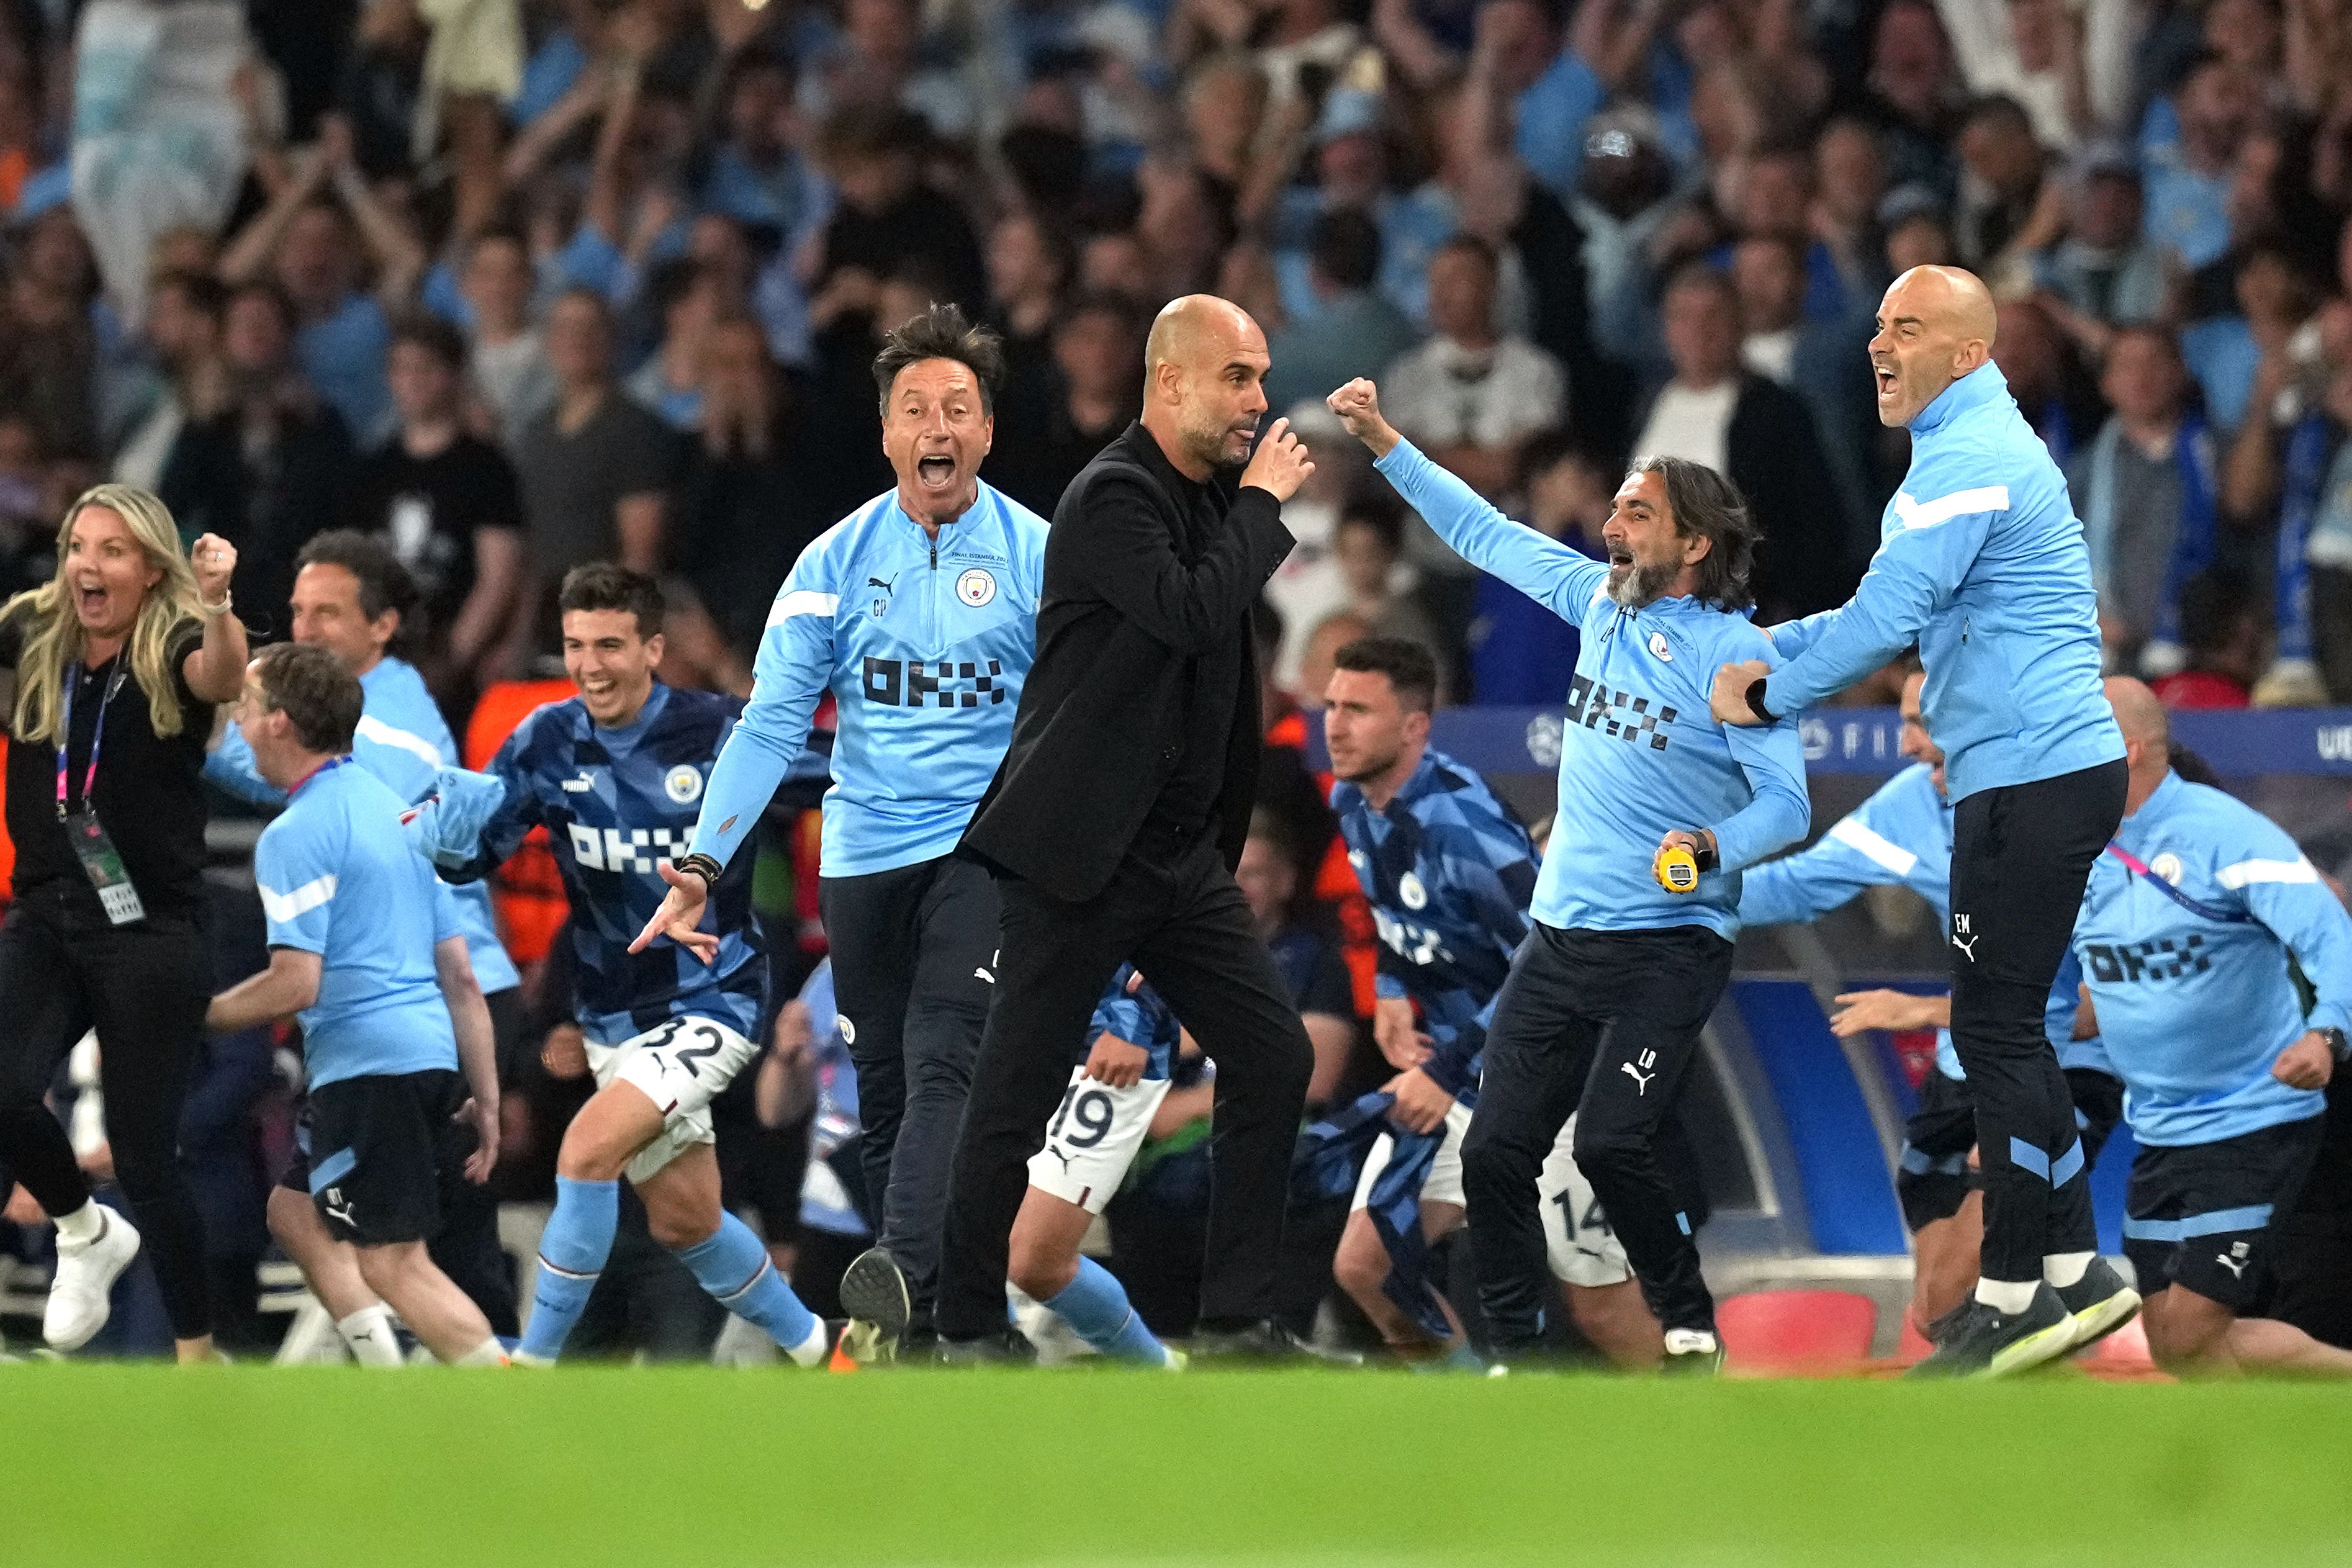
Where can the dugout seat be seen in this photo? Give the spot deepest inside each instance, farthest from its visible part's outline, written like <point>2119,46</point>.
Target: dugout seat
<point>1796,1333</point>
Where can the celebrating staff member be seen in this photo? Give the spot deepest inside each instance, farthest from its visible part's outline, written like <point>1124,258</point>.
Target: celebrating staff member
<point>1607,998</point>
<point>1982,562</point>
<point>1144,664</point>
<point>117,662</point>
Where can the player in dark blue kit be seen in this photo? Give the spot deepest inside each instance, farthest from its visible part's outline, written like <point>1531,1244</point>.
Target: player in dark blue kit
<point>617,776</point>
<point>1450,874</point>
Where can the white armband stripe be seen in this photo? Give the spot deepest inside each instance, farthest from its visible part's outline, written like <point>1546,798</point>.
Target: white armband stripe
<point>802,602</point>
<point>284,907</point>
<point>373,728</point>
<point>1881,850</point>
<point>1959,503</point>
<point>2247,872</point>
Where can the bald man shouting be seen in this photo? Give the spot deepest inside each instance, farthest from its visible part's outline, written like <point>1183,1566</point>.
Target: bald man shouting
<point>1982,562</point>
<point>1115,822</point>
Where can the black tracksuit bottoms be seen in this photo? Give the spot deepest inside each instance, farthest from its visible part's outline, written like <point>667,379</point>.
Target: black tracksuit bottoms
<point>1600,1025</point>
<point>1185,925</point>
<point>2021,857</point>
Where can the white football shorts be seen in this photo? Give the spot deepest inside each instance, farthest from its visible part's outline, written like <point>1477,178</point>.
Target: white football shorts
<point>1093,1139</point>
<point>680,1067</point>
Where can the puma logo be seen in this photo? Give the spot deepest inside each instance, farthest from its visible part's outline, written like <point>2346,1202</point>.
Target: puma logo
<point>1969,947</point>
<point>1648,1059</point>
<point>982,973</point>
<point>877,582</point>
<point>2236,1266</point>
<point>1054,1150</point>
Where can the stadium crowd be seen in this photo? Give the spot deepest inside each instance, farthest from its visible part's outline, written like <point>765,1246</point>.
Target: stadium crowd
<point>511,288</point>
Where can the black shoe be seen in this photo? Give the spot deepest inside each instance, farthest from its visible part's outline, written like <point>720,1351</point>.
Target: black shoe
<point>1692,1353</point>
<point>1985,1341</point>
<point>1003,1348</point>
<point>874,1294</point>
<point>1265,1342</point>
<point>1945,1323</point>
<point>2099,1302</point>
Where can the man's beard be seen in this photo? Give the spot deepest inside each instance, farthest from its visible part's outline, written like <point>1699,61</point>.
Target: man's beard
<point>1635,586</point>
<point>1372,768</point>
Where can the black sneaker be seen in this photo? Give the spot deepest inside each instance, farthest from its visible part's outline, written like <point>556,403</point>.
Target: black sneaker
<point>2099,1302</point>
<point>1692,1353</point>
<point>1946,1322</point>
<point>1985,1341</point>
<point>875,1296</point>
<point>1004,1348</point>
<point>1264,1341</point>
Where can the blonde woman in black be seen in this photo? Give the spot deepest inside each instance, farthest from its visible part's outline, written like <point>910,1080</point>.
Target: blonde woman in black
<point>109,675</point>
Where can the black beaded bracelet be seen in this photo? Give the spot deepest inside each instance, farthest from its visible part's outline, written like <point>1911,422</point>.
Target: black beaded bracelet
<point>703,866</point>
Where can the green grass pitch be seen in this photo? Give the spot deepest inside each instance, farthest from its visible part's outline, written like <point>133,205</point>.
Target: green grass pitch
<point>259,1468</point>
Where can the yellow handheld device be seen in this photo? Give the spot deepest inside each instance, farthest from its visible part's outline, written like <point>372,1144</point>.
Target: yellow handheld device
<point>1676,870</point>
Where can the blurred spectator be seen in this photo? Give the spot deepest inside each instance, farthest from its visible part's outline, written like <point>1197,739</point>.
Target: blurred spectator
<point>47,345</point>
<point>669,386</point>
<point>1369,547</point>
<point>272,466</point>
<point>1918,230</point>
<point>1758,435</point>
<point>2189,180</point>
<point>887,217</point>
<point>184,335</point>
<point>742,517</point>
<point>1915,93</point>
<point>508,358</point>
<point>1826,362</point>
<point>1352,173</point>
<point>1329,635</point>
<point>2225,351</point>
<point>2148,490</point>
<point>2103,274</point>
<point>1352,328</point>
<point>1623,200</point>
<point>875,61</point>
<point>1469,397</point>
<point>2222,622</point>
<point>1094,388</point>
<point>1850,181</point>
<point>754,174</point>
<point>1522,652</point>
<point>305,241</point>
<point>594,465</point>
<point>2009,208</point>
<point>447,502</point>
<point>1310,963</point>
<point>2047,378</point>
<point>1030,265</point>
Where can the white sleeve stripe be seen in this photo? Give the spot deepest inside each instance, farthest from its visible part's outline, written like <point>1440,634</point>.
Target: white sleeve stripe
<point>2246,872</point>
<point>284,907</point>
<point>1884,851</point>
<point>373,728</point>
<point>1959,503</point>
<point>802,602</point>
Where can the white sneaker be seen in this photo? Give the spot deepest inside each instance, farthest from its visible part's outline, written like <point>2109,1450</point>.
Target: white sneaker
<point>78,1305</point>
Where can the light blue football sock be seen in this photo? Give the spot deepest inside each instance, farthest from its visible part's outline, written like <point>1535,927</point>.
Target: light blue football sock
<point>572,1253</point>
<point>1096,1309</point>
<point>733,1266</point>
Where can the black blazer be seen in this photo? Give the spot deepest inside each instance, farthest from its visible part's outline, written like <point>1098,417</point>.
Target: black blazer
<point>1127,606</point>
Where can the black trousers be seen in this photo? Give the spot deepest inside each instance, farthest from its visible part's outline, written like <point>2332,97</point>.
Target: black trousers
<point>913,949</point>
<point>143,988</point>
<point>2021,855</point>
<point>1598,1025</point>
<point>1187,928</point>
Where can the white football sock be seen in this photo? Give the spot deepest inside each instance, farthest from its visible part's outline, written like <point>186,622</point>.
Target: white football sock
<point>2066,1269</point>
<point>812,1351</point>
<point>83,1225</point>
<point>370,1335</point>
<point>2008,1296</point>
<point>490,1352</point>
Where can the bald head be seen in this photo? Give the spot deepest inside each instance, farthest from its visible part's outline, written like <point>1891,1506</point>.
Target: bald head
<point>1204,364</point>
<point>1934,325</point>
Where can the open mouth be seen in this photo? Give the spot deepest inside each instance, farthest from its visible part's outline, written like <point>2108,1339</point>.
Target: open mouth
<point>1885,381</point>
<point>1620,557</point>
<point>935,470</point>
<point>92,600</point>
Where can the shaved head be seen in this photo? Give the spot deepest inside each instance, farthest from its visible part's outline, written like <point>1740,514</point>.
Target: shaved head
<point>2138,714</point>
<point>1204,364</point>
<point>1934,325</point>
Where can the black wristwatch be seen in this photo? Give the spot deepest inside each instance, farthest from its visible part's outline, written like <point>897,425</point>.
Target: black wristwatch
<point>2338,1043</point>
<point>1706,852</point>
<point>703,866</point>
<point>1755,703</point>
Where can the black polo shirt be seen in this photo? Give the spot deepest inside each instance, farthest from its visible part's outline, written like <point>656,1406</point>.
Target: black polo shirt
<point>149,792</point>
